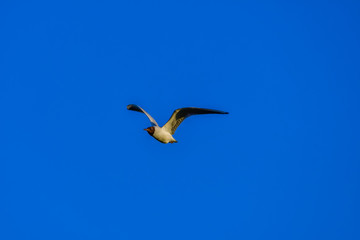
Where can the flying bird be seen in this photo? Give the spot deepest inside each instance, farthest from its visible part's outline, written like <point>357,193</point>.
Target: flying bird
<point>164,134</point>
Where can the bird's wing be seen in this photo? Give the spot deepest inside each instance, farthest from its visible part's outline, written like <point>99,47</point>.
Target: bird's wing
<point>180,114</point>
<point>134,107</point>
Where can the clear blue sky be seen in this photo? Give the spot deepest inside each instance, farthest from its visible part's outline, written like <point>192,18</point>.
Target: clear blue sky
<point>284,164</point>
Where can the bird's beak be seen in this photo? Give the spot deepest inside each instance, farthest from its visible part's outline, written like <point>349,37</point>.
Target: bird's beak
<point>145,129</point>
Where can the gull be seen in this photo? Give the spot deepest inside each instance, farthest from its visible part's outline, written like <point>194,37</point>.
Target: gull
<point>164,134</point>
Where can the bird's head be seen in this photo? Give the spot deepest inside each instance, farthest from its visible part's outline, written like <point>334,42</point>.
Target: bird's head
<point>150,130</point>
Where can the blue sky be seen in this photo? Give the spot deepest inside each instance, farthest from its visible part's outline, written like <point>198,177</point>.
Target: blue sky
<point>284,164</point>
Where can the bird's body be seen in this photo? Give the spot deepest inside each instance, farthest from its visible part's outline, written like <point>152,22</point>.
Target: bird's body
<point>164,134</point>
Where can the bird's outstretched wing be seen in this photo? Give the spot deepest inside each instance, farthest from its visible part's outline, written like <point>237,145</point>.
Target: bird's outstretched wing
<point>134,107</point>
<point>180,114</point>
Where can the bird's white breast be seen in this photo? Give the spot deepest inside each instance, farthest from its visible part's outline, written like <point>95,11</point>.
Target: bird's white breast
<point>162,135</point>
